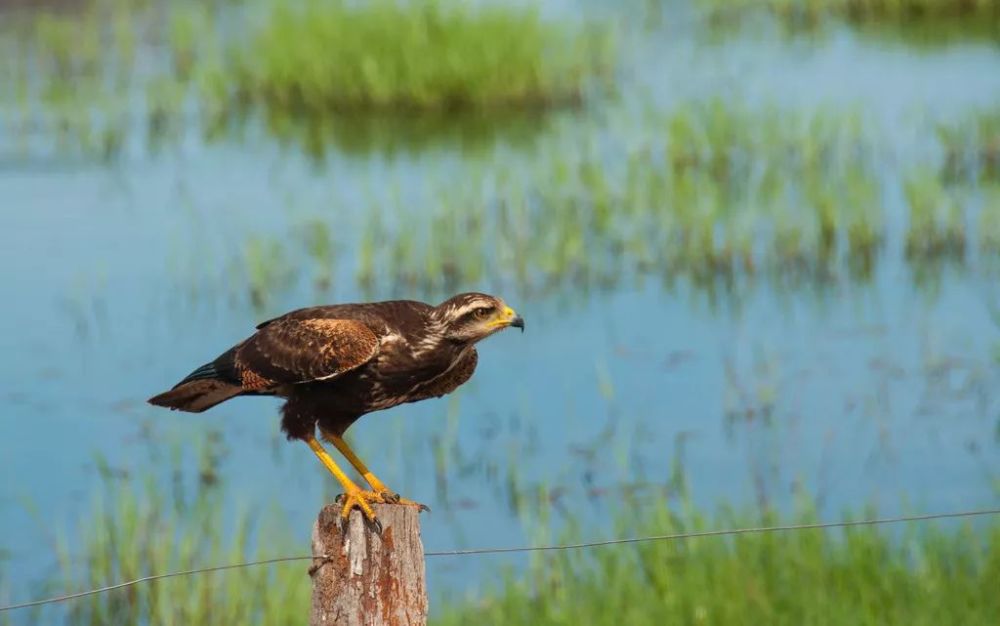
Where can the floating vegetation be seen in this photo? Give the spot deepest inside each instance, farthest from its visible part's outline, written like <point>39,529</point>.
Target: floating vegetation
<point>706,191</point>
<point>931,34</point>
<point>812,12</point>
<point>267,270</point>
<point>989,222</point>
<point>326,72</point>
<point>709,192</point>
<point>937,221</point>
<point>338,56</point>
<point>82,75</point>
<point>470,132</point>
<point>972,148</point>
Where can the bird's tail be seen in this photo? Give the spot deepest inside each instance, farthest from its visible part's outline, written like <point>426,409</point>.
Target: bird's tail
<point>201,389</point>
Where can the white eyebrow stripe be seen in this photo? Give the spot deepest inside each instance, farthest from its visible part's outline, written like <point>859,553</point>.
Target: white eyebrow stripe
<point>475,304</point>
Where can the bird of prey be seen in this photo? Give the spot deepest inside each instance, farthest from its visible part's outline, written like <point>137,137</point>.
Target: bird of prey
<point>333,364</point>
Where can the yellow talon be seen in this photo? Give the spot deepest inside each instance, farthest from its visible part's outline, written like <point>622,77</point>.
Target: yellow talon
<point>353,495</point>
<point>380,492</point>
<point>361,499</point>
<point>395,499</point>
<point>369,497</point>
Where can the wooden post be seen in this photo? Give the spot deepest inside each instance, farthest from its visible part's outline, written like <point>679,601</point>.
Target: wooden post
<point>368,579</point>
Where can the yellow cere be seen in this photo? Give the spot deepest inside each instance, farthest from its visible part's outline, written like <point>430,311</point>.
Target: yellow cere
<point>506,315</point>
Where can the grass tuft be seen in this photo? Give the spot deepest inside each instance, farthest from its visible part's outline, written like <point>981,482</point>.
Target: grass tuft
<point>426,55</point>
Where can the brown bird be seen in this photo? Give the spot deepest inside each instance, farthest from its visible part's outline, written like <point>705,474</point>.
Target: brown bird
<point>333,364</point>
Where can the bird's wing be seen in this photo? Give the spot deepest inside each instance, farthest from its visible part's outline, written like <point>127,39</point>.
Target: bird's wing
<point>289,351</point>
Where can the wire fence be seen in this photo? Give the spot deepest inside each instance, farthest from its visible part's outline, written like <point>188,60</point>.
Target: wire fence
<point>480,551</point>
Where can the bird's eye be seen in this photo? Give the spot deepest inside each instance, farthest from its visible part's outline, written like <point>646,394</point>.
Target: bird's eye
<point>482,312</point>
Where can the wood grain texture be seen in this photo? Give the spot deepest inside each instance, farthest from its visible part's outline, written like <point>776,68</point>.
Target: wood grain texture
<point>368,579</point>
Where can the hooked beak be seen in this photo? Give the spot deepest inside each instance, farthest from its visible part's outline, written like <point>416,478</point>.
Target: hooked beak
<point>518,322</point>
<point>508,318</point>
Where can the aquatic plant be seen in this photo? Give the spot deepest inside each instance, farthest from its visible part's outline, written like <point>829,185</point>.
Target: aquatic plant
<point>78,74</point>
<point>812,12</point>
<point>319,57</point>
<point>989,221</point>
<point>707,190</point>
<point>972,148</point>
<point>937,221</point>
<point>267,269</point>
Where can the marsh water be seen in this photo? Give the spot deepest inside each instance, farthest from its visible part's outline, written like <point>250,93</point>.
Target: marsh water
<point>120,277</point>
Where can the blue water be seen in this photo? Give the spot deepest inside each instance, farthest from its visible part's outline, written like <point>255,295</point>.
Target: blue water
<point>119,279</point>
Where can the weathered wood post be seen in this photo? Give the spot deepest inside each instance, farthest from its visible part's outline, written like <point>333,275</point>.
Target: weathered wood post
<point>367,579</point>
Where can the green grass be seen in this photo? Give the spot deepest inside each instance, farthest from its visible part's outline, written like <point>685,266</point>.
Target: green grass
<point>138,527</point>
<point>989,222</point>
<point>705,191</point>
<point>423,55</point>
<point>919,574</point>
<point>937,221</point>
<point>709,192</point>
<point>862,576</point>
<point>79,76</point>
<point>972,148</point>
<point>812,12</point>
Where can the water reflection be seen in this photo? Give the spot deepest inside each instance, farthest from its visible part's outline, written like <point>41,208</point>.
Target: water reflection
<point>468,134</point>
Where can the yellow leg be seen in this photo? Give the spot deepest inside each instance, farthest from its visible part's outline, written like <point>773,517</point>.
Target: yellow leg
<point>386,494</point>
<point>353,495</point>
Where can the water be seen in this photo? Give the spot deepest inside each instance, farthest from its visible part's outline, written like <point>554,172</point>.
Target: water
<point>121,278</point>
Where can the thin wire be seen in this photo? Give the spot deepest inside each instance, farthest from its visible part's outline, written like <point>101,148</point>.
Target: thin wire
<point>716,533</point>
<point>129,583</point>
<point>573,546</point>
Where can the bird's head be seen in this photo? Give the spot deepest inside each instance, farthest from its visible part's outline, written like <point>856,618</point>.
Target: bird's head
<point>470,317</point>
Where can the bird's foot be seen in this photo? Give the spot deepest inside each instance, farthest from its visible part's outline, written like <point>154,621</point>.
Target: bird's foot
<point>389,497</point>
<point>363,500</point>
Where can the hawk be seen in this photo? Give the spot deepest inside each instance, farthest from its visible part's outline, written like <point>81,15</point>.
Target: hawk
<point>333,364</point>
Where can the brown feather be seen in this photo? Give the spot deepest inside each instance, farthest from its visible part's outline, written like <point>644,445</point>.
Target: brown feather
<point>450,380</point>
<point>291,351</point>
<point>197,395</point>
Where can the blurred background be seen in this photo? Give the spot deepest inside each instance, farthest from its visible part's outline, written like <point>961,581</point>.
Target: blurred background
<point>755,242</point>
